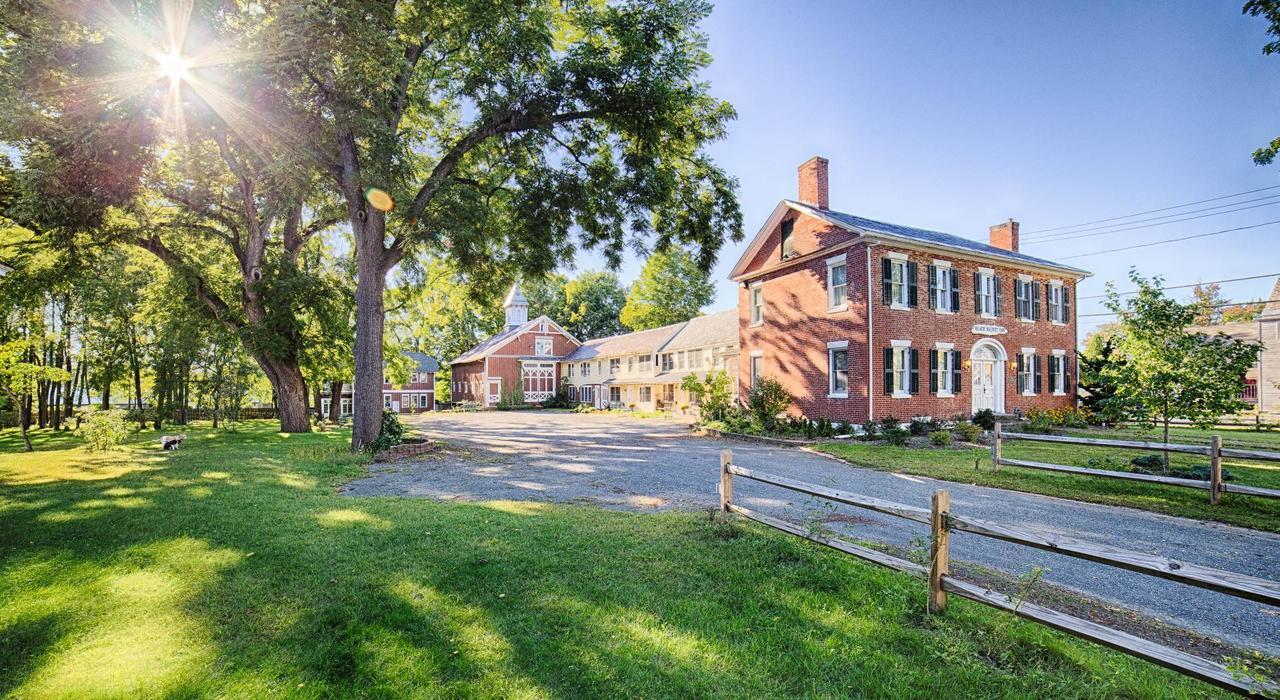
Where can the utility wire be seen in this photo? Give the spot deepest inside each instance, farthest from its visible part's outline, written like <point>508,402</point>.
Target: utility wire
<point>1135,228</point>
<point>1210,306</point>
<point>1171,240</point>
<point>1185,286</point>
<point>1153,211</point>
<point>1064,235</point>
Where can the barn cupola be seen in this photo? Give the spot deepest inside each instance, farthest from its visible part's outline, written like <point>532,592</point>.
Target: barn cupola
<point>517,307</point>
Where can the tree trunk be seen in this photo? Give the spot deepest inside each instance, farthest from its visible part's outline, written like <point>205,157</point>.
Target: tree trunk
<point>366,389</point>
<point>137,391</point>
<point>1166,444</point>
<point>335,401</point>
<point>290,393</point>
<point>24,420</point>
<point>106,394</point>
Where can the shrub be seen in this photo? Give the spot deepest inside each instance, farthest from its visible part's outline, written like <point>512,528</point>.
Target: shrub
<point>1039,421</point>
<point>560,399</point>
<point>919,426</point>
<point>103,430</point>
<point>766,400</point>
<point>967,432</point>
<point>985,419</point>
<point>712,394</point>
<point>896,436</point>
<point>389,435</point>
<point>1148,461</point>
<point>870,431</point>
<point>512,398</point>
<point>888,422</point>
<point>940,438</point>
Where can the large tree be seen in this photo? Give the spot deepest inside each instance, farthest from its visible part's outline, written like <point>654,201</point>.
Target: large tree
<point>593,305</point>
<point>671,288</point>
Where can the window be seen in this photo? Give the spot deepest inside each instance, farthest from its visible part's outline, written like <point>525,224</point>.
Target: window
<point>422,400</point>
<point>986,293</point>
<point>788,248</point>
<point>1058,372</point>
<point>668,394</point>
<point>680,360</point>
<point>386,401</point>
<point>901,369</point>
<point>585,367</point>
<point>324,407</point>
<point>944,287</point>
<point>615,366</point>
<point>646,394</point>
<point>757,304</point>
<point>573,393</point>
<point>1027,293</point>
<point>668,361</point>
<point>837,283</point>
<point>1029,377</point>
<point>944,370</point>
<point>707,358</point>
<point>570,370</point>
<point>346,407</point>
<point>646,363</point>
<point>1058,299</point>
<point>757,368</point>
<point>631,364</point>
<point>899,282</point>
<point>838,369</point>
<point>615,394</point>
<point>542,347</point>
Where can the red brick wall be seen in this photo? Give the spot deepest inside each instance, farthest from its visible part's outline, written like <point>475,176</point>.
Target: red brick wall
<point>808,235</point>
<point>797,327</point>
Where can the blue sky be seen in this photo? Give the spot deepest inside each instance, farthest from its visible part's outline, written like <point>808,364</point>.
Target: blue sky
<point>956,116</point>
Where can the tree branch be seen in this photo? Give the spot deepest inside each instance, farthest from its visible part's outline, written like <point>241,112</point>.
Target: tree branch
<point>216,306</point>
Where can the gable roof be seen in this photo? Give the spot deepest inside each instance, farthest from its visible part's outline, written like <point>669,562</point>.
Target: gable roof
<point>713,329</point>
<point>896,233</point>
<point>1272,309</point>
<point>487,346</point>
<point>423,361</point>
<point>626,343</point>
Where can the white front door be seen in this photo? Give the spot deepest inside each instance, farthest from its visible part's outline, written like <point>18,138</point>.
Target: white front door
<point>495,392</point>
<point>984,385</point>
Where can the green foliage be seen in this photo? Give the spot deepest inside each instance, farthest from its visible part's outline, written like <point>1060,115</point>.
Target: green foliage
<point>103,429</point>
<point>671,288</point>
<point>967,432</point>
<point>512,398</point>
<point>1097,376</point>
<point>920,426</point>
<point>560,399</point>
<point>766,400</point>
<point>895,435</point>
<point>713,394</point>
<point>390,434</point>
<point>940,438</point>
<point>985,419</point>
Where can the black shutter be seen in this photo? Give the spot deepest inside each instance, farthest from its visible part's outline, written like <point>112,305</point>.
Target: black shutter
<point>1022,383</point>
<point>977,285</point>
<point>956,376</point>
<point>996,282</point>
<point>933,371</point>
<point>915,370</point>
<point>1067,386</point>
<point>1035,363</point>
<point>1053,372</point>
<point>955,291</point>
<point>1035,301</point>
<point>886,271</point>
<point>912,271</point>
<point>1048,301</point>
<point>888,370</point>
<point>933,286</point>
<point>1066,304</point>
<point>1017,298</point>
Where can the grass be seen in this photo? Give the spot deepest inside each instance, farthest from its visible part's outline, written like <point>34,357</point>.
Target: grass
<point>958,465</point>
<point>233,568</point>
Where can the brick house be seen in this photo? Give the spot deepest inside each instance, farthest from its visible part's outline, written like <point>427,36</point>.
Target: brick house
<point>526,356</point>
<point>415,396</point>
<point>862,319</point>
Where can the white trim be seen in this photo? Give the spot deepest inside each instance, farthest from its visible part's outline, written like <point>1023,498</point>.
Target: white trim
<point>1059,353</point>
<point>942,263</point>
<point>1028,351</point>
<point>832,263</point>
<point>895,255</point>
<point>840,259</point>
<point>986,271</point>
<point>900,343</point>
<point>945,395</point>
<point>871,337</point>
<point>900,395</point>
<point>1025,277</point>
<point>944,346</point>
<point>756,353</point>
<point>751,305</point>
<point>899,307</point>
<point>837,345</point>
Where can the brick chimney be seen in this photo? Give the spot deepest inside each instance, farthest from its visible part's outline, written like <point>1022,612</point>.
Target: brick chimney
<point>1005,235</point>
<point>813,183</point>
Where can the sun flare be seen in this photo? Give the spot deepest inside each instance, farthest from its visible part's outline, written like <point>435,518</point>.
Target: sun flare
<point>173,65</point>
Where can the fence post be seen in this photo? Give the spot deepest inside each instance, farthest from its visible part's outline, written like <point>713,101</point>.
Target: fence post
<point>1215,470</point>
<point>726,480</point>
<point>995,448</point>
<point>939,550</point>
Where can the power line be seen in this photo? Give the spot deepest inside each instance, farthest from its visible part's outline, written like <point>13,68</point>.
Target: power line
<point>1171,240</point>
<point>1153,211</point>
<point>1112,228</point>
<point>1162,223</point>
<point>1185,286</point>
<point>1210,306</point>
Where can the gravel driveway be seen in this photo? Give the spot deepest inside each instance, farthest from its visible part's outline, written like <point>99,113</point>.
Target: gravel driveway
<point>639,464</point>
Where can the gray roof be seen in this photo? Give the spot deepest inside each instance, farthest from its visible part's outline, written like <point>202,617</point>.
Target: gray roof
<point>424,362</point>
<point>626,344</point>
<point>920,235</point>
<point>1272,309</point>
<point>719,328</point>
<point>515,296</point>
<point>487,345</point>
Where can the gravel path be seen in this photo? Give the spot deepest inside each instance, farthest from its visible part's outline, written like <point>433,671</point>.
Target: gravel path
<point>618,462</point>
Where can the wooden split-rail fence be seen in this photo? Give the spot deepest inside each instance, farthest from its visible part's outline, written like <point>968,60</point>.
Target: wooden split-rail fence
<point>1214,451</point>
<point>942,522</point>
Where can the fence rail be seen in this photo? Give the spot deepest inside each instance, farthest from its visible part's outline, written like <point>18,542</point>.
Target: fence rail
<point>1214,451</point>
<point>942,522</point>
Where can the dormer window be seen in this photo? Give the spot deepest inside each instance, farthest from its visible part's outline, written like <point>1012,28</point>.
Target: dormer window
<point>788,247</point>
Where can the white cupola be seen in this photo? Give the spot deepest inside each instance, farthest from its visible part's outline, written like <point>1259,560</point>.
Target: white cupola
<point>517,307</point>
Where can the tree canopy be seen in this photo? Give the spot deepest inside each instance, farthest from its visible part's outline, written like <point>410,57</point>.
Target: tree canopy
<point>671,288</point>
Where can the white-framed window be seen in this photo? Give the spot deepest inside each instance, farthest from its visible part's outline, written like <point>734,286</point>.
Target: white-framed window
<point>646,394</point>
<point>1058,372</point>
<point>615,366</point>
<point>944,287</point>
<point>324,407</point>
<point>422,400</point>
<point>346,407</point>
<point>984,293</point>
<point>787,244</point>
<point>542,347</point>
<point>570,369</point>
<point>631,364</point>
<point>1028,372</point>
<point>680,359</point>
<point>944,370</point>
<point>646,363</point>
<point>1027,294</point>
<point>573,393</point>
<point>615,394</point>
<point>757,366</point>
<point>1059,304</point>
<point>668,361</point>
<point>838,369</point>
<point>386,401</point>
<point>898,280</point>
<point>585,368</point>
<point>901,369</point>
<point>757,304</point>
<point>706,359</point>
<point>837,283</point>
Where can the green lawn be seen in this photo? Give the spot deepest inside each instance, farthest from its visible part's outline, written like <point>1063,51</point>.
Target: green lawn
<point>958,465</point>
<point>232,568</point>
